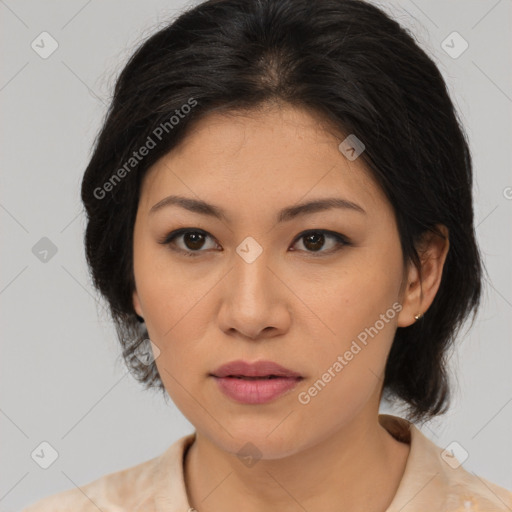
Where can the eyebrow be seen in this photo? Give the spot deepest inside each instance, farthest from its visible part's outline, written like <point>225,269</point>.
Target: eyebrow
<point>286,214</point>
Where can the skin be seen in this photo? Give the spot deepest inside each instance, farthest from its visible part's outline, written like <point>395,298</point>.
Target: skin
<point>293,305</point>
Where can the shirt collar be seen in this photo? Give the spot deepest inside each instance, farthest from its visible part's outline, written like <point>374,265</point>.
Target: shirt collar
<point>422,484</point>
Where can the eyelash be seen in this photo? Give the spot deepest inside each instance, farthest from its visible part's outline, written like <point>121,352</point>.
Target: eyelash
<point>340,239</point>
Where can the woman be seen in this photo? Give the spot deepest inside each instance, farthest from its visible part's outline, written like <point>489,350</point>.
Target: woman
<point>280,217</point>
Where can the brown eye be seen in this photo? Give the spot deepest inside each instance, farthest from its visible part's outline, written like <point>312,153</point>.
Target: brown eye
<point>193,241</point>
<point>314,241</point>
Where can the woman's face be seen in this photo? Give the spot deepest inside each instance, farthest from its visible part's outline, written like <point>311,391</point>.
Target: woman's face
<point>252,286</point>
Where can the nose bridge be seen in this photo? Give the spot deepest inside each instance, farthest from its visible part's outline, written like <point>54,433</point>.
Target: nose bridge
<point>250,274</point>
<point>249,303</point>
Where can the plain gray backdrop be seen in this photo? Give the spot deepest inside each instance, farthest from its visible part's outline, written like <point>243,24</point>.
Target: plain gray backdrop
<point>62,379</point>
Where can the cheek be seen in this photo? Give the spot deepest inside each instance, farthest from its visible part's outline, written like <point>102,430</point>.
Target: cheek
<point>181,364</point>
<point>175,314</point>
<point>355,317</point>
<point>347,299</point>
<point>169,292</point>
<point>348,373</point>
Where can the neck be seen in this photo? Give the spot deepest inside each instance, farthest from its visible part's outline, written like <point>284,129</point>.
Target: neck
<point>345,468</point>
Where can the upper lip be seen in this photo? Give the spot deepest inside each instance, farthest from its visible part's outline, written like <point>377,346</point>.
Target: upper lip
<point>256,369</point>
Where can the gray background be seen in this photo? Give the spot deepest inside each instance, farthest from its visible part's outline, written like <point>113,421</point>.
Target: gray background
<point>62,380</point>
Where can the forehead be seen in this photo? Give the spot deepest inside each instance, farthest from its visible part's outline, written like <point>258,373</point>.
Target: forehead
<point>274,156</point>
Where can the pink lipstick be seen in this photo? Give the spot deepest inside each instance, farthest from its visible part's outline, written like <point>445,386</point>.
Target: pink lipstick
<point>255,383</point>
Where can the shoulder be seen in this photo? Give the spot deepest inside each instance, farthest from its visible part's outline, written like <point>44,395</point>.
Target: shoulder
<point>126,487</point>
<point>462,490</point>
<point>155,483</point>
<point>435,479</point>
<point>466,491</point>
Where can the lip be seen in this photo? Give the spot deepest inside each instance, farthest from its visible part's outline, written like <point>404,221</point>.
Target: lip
<point>246,383</point>
<point>256,369</point>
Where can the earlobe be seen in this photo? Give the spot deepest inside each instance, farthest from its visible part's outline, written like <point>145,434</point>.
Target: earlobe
<point>136,304</point>
<point>412,297</point>
<point>422,288</point>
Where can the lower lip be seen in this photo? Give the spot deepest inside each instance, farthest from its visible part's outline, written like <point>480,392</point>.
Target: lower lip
<point>258,391</point>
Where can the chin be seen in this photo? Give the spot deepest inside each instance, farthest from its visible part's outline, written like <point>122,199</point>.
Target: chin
<point>259,442</point>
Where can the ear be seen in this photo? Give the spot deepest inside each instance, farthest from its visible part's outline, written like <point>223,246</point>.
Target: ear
<point>136,304</point>
<point>421,286</point>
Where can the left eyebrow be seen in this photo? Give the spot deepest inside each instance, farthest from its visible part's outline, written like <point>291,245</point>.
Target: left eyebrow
<point>284,215</point>
<point>318,205</point>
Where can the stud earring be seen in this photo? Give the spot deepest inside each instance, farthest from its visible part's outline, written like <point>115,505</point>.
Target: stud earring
<point>418,316</point>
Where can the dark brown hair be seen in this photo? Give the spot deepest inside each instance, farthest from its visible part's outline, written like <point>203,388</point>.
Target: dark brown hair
<point>348,61</point>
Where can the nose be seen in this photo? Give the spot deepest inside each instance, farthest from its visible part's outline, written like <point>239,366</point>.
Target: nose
<point>254,301</point>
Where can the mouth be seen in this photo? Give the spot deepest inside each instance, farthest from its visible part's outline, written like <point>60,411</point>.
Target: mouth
<point>255,383</point>
<point>255,390</point>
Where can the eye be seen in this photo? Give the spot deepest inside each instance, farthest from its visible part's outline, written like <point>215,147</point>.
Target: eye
<point>193,240</point>
<point>314,241</point>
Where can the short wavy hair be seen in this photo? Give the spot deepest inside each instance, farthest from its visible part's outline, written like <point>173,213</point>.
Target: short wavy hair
<point>365,74</point>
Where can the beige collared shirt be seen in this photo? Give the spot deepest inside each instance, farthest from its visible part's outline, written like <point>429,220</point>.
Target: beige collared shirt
<point>433,481</point>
